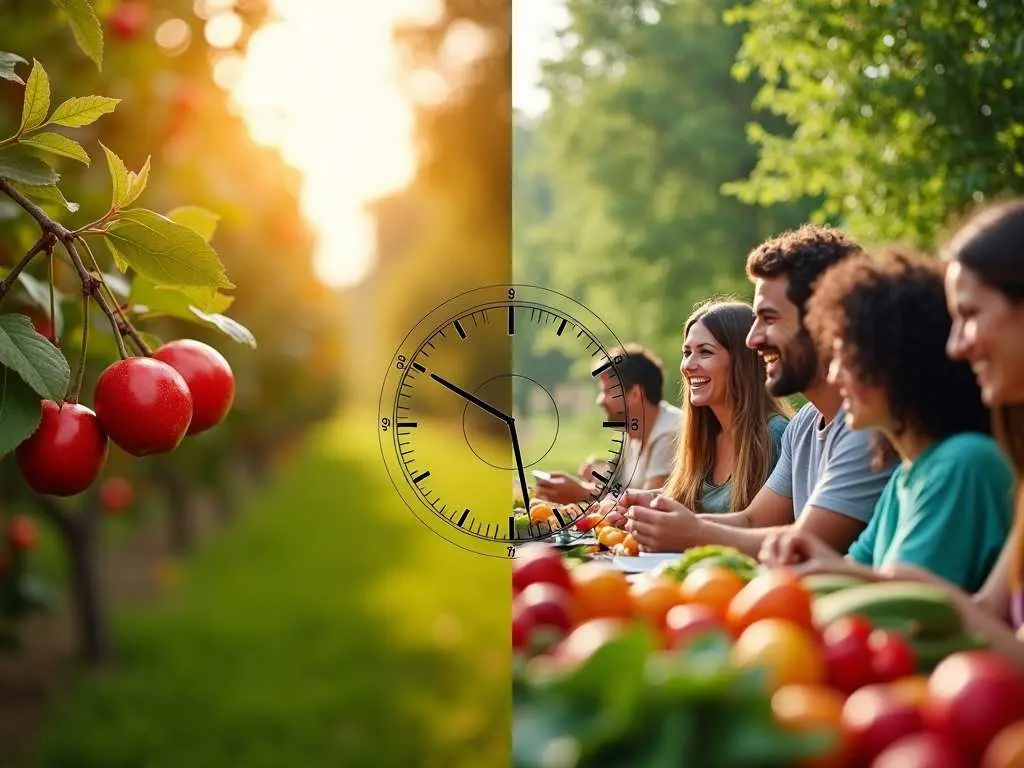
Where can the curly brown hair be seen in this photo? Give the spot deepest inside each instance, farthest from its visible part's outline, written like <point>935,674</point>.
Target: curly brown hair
<point>890,314</point>
<point>802,255</point>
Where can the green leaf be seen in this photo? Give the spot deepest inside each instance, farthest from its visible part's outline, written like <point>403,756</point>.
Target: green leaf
<point>20,410</point>
<point>151,299</point>
<point>37,98</point>
<point>82,110</point>
<point>199,219</point>
<point>8,65</point>
<point>119,260</point>
<point>28,170</point>
<point>136,183</point>
<point>39,293</point>
<point>166,252</point>
<point>230,327</point>
<point>118,177</point>
<point>85,27</point>
<point>46,195</point>
<point>58,145</point>
<point>33,357</point>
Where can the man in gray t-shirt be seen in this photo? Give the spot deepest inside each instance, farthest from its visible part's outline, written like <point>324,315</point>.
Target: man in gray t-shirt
<point>824,482</point>
<point>826,465</point>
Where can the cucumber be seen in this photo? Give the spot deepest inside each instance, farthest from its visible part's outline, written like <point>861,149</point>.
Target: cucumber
<point>821,584</point>
<point>914,609</point>
<point>930,651</point>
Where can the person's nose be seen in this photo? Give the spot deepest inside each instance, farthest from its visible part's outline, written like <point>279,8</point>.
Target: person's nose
<point>755,336</point>
<point>957,345</point>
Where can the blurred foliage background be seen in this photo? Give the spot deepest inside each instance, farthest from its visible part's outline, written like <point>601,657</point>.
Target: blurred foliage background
<point>260,595</point>
<point>680,133</point>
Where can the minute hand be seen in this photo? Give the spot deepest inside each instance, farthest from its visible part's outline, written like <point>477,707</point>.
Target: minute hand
<point>472,398</point>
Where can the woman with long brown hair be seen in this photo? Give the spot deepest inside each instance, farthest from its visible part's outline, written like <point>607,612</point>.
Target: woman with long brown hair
<point>731,429</point>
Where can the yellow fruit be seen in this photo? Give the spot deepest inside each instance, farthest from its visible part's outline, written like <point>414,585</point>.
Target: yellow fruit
<point>788,653</point>
<point>609,537</point>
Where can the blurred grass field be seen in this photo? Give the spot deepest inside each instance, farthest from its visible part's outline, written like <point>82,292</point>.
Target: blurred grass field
<point>325,627</point>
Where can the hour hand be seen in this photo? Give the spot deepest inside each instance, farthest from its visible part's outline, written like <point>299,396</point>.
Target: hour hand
<point>472,398</point>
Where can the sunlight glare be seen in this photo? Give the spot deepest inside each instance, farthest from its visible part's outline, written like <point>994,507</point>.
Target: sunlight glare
<point>320,82</point>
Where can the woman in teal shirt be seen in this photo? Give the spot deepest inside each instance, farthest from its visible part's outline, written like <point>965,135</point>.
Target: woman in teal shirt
<point>948,506</point>
<point>730,435</point>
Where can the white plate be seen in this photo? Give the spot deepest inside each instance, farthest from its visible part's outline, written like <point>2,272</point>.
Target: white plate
<point>645,562</point>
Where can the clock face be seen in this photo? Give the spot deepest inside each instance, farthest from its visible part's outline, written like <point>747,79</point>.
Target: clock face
<point>470,411</point>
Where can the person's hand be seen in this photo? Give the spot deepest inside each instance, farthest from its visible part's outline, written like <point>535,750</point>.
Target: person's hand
<point>561,489</point>
<point>587,468</point>
<point>658,523</point>
<point>796,548</point>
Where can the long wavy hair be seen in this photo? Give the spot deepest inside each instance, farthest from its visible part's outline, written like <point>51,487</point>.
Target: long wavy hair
<point>988,243</point>
<point>728,321</point>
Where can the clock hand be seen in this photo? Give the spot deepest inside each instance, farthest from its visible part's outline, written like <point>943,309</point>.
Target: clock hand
<point>519,462</point>
<point>472,398</point>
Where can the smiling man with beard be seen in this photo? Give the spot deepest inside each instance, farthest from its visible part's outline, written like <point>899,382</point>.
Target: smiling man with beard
<point>824,482</point>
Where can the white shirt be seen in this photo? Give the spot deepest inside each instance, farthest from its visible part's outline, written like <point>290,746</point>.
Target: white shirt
<point>638,465</point>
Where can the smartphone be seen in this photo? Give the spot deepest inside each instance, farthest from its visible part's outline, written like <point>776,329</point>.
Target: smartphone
<point>545,476</point>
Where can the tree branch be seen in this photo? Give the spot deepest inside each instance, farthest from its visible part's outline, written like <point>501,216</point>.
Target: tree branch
<point>45,243</point>
<point>46,224</point>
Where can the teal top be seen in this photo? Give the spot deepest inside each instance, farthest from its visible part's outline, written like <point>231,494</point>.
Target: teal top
<point>717,499</point>
<point>949,512</point>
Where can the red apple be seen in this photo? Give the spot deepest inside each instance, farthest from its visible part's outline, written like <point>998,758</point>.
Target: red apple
<point>972,696</point>
<point>875,717</point>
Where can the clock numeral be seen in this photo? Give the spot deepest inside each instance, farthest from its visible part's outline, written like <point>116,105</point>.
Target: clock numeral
<point>634,424</point>
<point>511,551</point>
<point>616,489</point>
<point>511,293</point>
<point>400,364</point>
<point>384,424</point>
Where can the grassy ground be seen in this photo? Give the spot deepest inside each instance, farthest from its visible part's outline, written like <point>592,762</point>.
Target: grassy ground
<point>326,627</point>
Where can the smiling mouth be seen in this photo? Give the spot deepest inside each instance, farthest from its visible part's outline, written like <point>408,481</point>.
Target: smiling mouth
<point>770,357</point>
<point>698,381</point>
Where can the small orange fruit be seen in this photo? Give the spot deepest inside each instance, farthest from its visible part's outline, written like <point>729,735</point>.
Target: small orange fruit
<point>600,592</point>
<point>712,587</point>
<point>610,536</point>
<point>653,597</point>
<point>776,594</point>
<point>801,708</point>
<point>539,513</point>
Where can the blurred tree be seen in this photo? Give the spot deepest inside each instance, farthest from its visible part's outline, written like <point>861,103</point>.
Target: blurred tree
<point>173,112</point>
<point>645,125</point>
<point>905,112</point>
<point>452,225</point>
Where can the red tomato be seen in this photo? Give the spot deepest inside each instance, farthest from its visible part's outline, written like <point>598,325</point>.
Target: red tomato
<point>875,717</point>
<point>539,563</point>
<point>922,750</point>
<point>848,654</point>
<point>892,657</point>
<point>972,696</point>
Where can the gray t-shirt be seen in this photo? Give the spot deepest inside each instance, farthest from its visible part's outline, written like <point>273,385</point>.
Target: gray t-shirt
<point>828,466</point>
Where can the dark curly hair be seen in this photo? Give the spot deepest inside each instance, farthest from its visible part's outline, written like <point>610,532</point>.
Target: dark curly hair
<point>890,314</point>
<point>802,255</point>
